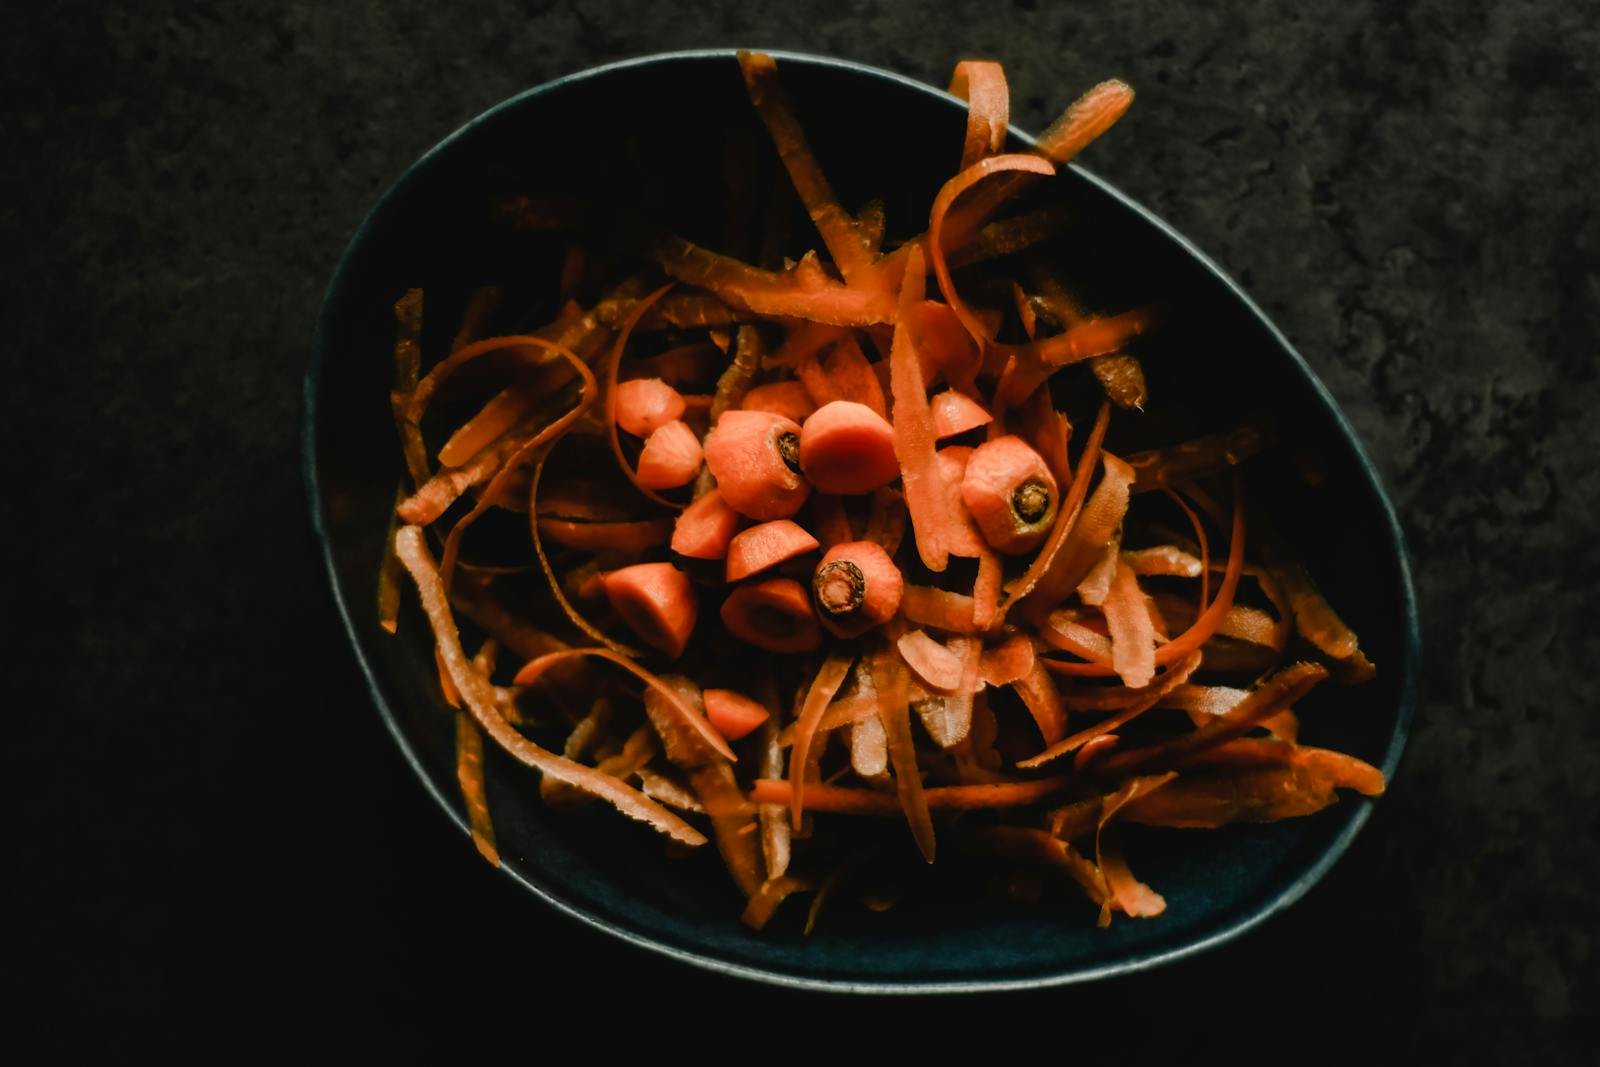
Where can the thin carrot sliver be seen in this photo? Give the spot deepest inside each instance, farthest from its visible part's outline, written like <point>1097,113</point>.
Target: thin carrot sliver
<point>982,84</point>
<point>1043,702</point>
<point>838,229</point>
<point>939,608</point>
<point>575,616</point>
<point>607,536</point>
<point>890,683</point>
<point>826,683</point>
<point>1143,700</point>
<point>953,188</point>
<point>843,800</point>
<point>914,436</point>
<point>407,369</point>
<point>469,776</point>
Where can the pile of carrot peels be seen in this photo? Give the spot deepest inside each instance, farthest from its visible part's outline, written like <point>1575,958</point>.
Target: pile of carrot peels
<point>802,547</point>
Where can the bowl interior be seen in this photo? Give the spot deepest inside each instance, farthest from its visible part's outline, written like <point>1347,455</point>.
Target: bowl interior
<point>651,134</point>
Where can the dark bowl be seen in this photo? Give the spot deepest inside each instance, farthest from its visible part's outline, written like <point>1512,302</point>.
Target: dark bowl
<point>658,122</point>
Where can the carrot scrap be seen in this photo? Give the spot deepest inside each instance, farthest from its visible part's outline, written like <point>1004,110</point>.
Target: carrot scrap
<point>935,664</point>
<point>789,399</point>
<point>847,448</point>
<point>643,404</point>
<point>671,457</point>
<point>914,436</point>
<point>755,458</point>
<point>1142,700</point>
<point>774,614</point>
<point>704,529</point>
<point>657,602</point>
<point>1006,662</point>
<point>841,800</point>
<point>766,545</point>
<point>733,714</point>
<point>982,84</point>
<point>956,413</point>
<point>826,683</point>
<point>857,586</point>
<point>469,775</point>
<point>607,536</point>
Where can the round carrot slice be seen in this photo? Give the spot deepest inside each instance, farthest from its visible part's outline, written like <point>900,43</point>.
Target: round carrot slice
<point>734,715</point>
<point>705,528</point>
<point>646,403</point>
<point>657,602</point>
<point>671,456</point>
<point>766,545</point>
<point>774,614</point>
<point>857,586</point>
<point>846,447</point>
<point>1010,494</point>
<point>755,457</point>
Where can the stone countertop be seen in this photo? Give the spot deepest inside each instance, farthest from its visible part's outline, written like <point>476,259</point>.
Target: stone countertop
<point>1407,189</point>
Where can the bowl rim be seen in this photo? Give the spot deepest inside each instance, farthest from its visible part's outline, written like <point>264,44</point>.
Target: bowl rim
<point>1227,931</point>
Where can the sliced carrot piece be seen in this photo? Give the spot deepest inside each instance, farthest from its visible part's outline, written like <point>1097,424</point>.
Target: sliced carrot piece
<point>755,457</point>
<point>789,399</point>
<point>774,614</point>
<point>956,413</point>
<point>857,587</point>
<point>935,664</point>
<point>705,528</point>
<point>847,448</point>
<point>766,545</point>
<point>657,601</point>
<point>1010,494</point>
<point>734,715</point>
<point>646,403</point>
<point>671,457</point>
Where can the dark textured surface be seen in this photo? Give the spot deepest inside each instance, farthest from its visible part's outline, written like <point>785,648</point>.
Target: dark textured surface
<point>223,829</point>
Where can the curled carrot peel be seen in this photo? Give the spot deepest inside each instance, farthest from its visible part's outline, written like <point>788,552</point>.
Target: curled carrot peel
<point>982,84</point>
<point>479,697</point>
<point>953,188</point>
<point>1143,700</point>
<point>552,582</point>
<point>890,683</point>
<point>607,536</point>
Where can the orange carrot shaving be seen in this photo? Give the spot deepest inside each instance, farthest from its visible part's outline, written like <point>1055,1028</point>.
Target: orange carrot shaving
<point>938,608</point>
<point>935,664</point>
<point>773,892</point>
<point>914,436</point>
<point>953,188</point>
<point>469,775</point>
<point>1133,638</point>
<point>886,523</point>
<point>890,683</point>
<point>840,800</point>
<point>1188,460</point>
<point>1091,531</point>
<point>982,84</point>
<point>838,230</point>
<point>827,682</point>
<point>1143,700</point>
<point>1043,702</point>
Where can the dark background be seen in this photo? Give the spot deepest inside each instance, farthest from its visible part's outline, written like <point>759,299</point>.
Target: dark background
<point>211,831</point>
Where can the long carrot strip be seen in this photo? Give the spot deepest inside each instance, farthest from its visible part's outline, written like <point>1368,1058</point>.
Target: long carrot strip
<point>1043,701</point>
<point>914,436</point>
<point>1091,531</point>
<point>479,696</point>
<point>953,188</point>
<point>767,293</point>
<point>938,608</point>
<point>776,835</point>
<point>838,229</point>
<point>1066,516</point>
<point>827,682</point>
<point>1144,699</point>
<point>407,368</point>
<point>469,776</point>
<point>982,84</point>
<point>1123,891</point>
<point>890,682</point>
<point>843,800</point>
<point>773,892</point>
<point>607,536</point>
